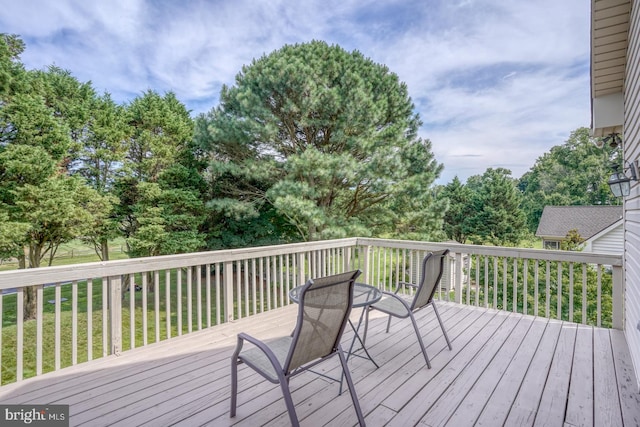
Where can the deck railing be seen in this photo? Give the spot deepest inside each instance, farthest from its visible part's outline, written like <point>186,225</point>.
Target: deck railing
<point>579,287</point>
<point>93,310</point>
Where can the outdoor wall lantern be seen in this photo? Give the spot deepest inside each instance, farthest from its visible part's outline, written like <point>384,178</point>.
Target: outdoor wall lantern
<point>613,139</point>
<point>619,182</point>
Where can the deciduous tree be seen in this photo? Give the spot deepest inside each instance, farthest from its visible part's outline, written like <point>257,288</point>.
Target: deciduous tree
<point>574,173</point>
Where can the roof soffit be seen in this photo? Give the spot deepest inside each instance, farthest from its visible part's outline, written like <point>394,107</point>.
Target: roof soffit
<point>609,40</point>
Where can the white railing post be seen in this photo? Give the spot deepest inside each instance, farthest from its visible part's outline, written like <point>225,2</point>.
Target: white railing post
<point>365,264</point>
<point>19,334</point>
<point>618,298</point>
<point>301,275</point>
<point>39,322</point>
<point>347,252</point>
<point>115,313</point>
<point>458,282</point>
<point>228,290</point>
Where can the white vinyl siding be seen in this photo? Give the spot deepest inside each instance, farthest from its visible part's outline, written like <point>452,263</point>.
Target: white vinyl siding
<point>632,202</point>
<point>611,242</point>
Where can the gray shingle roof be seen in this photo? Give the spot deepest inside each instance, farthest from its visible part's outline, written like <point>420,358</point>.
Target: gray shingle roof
<point>556,221</point>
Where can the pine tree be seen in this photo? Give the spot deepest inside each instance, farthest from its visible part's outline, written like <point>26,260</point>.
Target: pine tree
<point>328,139</point>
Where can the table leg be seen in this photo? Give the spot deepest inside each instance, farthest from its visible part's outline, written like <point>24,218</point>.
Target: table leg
<point>356,335</point>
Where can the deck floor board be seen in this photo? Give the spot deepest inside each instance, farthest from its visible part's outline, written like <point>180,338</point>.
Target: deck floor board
<point>504,369</point>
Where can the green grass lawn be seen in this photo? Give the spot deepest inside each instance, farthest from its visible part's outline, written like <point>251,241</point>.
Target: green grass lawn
<point>76,252</point>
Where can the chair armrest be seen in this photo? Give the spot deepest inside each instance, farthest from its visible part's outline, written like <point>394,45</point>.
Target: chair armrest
<point>264,348</point>
<point>407,284</point>
<point>259,344</point>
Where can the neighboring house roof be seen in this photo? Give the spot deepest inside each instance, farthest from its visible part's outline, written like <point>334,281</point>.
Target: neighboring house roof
<point>557,221</point>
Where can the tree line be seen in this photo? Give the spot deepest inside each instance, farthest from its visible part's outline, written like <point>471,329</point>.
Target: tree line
<point>311,142</point>
<point>495,208</point>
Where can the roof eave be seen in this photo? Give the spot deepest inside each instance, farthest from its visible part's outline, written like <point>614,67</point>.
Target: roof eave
<point>609,41</point>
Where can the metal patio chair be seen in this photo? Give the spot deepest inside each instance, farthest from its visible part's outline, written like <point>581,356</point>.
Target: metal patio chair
<point>404,306</point>
<point>323,310</point>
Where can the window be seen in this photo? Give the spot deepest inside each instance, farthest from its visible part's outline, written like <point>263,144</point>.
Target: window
<point>551,244</point>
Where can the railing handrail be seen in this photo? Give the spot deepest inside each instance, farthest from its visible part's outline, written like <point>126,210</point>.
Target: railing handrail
<point>36,276</point>
<point>501,251</point>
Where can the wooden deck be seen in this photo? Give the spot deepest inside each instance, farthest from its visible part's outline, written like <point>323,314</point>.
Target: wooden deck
<point>504,369</point>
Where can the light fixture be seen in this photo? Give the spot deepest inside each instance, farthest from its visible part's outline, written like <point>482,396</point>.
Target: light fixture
<point>619,182</point>
<point>613,139</point>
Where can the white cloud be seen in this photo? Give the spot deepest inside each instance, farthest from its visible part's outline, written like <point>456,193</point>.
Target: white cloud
<point>497,82</point>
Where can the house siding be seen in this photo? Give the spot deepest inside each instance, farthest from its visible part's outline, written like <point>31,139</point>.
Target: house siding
<point>609,243</point>
<point>632,202</point>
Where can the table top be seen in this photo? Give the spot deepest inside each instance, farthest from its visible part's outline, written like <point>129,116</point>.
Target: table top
<point>363,294</point>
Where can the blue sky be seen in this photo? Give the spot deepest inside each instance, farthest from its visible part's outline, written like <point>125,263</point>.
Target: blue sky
<point>496,82</point>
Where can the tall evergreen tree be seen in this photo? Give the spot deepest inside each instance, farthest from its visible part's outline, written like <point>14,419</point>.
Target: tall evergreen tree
<point>161,130</point>
<point>498,218</point>
<point>99,160</point>
<point>43,117</point>
<point>11,47</point>
<point>161,208</point>
<point>459,212</point>
<point>327,138</point>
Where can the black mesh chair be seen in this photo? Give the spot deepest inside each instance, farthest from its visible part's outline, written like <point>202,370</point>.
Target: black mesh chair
<point>401,306</point>
<point>323,310</point>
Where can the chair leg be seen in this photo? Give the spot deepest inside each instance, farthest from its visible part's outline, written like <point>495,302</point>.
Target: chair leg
<point>424,351</point>
<point>388,323</point>
<point>234,386</point>
<point>286,392</point>
<point>366,324</point>
<point>446,337</point>
<point>352,390</point>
